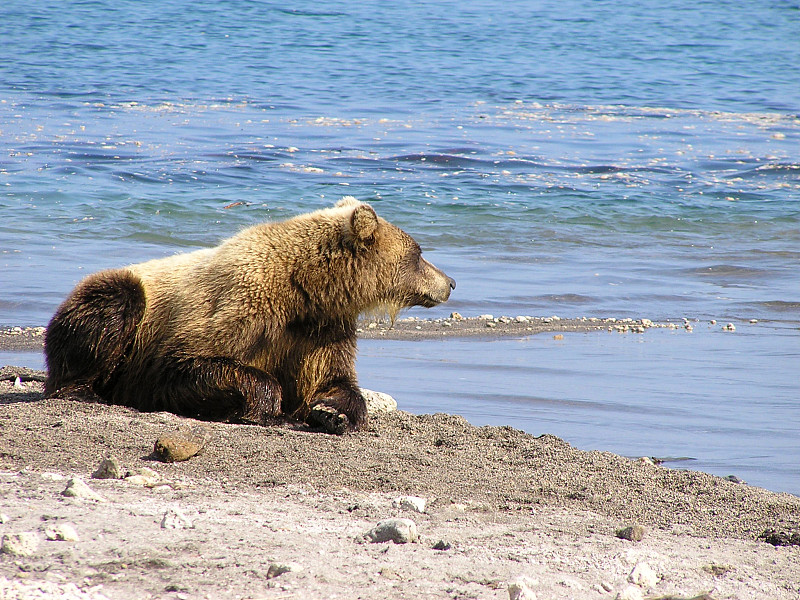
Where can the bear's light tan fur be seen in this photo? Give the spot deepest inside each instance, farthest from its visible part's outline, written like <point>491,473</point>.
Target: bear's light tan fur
<point>270,313</point>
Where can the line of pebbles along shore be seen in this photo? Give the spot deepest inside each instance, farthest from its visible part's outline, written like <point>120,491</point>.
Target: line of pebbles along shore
<point>488,325</point>
<point>32,338</point>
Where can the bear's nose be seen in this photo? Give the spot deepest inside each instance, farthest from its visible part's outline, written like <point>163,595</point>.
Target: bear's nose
<point>452,283</point>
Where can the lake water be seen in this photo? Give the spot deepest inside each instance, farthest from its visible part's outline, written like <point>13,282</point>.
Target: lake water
<point>569,158</point>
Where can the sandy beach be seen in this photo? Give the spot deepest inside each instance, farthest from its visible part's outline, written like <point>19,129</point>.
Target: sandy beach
<point>285,512</point>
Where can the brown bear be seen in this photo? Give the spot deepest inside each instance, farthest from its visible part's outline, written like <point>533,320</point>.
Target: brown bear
<point>260,326</point>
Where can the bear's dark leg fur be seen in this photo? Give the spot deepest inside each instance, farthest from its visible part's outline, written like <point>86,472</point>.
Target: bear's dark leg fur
<point>91,333</point>
<point>89,346</point>
<point>207,388</point>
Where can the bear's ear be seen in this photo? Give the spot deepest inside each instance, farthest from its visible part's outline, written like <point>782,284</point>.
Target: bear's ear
<point>363,223</point>
<point>347,201</point>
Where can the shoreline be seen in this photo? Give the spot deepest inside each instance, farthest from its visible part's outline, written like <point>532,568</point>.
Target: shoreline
<point>22,339</point>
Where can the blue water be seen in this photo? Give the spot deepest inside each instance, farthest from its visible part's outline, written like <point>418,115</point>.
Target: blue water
<point>623,159</point>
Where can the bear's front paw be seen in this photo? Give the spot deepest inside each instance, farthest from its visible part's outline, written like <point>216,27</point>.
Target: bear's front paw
<point>329,419</point>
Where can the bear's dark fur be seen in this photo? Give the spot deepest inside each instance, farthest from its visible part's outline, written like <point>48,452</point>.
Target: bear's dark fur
<point>260,326</point>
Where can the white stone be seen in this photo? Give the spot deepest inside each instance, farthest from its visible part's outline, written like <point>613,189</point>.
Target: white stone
<point>520,589</point>
<point>63,532</point>
<point>77,488</point>
<point>630,593</point>
<point>486,317</point>
<point>643,576</point>
<point>378,401</point>
<point>399,531</point>
<point>414,503</point>
<point>20,544</point>
<point>53,476</point>
<point>175,518</point>
<point>143,476</point>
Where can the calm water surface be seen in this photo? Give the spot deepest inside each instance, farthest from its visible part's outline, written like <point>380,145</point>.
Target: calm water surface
<point>568,158</point>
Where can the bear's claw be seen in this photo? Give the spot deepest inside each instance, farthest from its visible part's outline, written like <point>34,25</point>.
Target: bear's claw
<point>329,419</point>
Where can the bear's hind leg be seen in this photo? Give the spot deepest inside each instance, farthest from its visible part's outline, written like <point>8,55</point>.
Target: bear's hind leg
<point>208,388</point>
<point>91,334</point>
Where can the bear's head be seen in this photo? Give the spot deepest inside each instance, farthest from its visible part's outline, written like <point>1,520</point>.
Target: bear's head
<point>387,263</point>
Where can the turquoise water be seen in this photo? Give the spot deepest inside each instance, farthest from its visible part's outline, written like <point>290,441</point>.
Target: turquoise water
<point>570,158</point>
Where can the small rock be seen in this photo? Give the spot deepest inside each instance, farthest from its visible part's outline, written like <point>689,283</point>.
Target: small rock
<point>753,321</point>
<point>18,383</point>
<point>143,476</point>
<point>77,488</point>
<point>729,327</point>
<point>643,576</point>
<point>717,570</point>
<point>491,324</point>
<point>442,545</point>
<point>378,402</point>
<point>110,468</point>
<point>4,518</point>
<point>175,518</point>
<point>183,444</point>
<point>520,589</point>
<point>53,476</point>
<point>779,537</point>
<point>558,337</point>
<point>414,503</point>
<point>634,533</point>
<point>712,322</point>
<point>276,569</point>
<point>486,317</point>
<point>20,544</point>
<point>456,316</point>
<point>63,532</point>
<point>399,531</point>
<point>630,593</point>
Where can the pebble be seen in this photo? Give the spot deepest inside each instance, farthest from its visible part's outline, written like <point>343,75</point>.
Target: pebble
<point>77,488</point>
<point>456,316</point>
<point>110,468</point>
<point>143,476</point>
<point>378,402</point>
<point>630,593</point>
<point>181,445</point>
<point>414,503</point>
<point>442,545</point>
<point>729,327</point>
<point>277,569</point>
<point>491,324</point>
<point>63,532</point>
<point>520,589</point>
<point>643,576</point>
<point>399,531</point>
<point>634,533</point>
<point>20,544</point>
<point>175,518</point>
<point>486,317</point>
